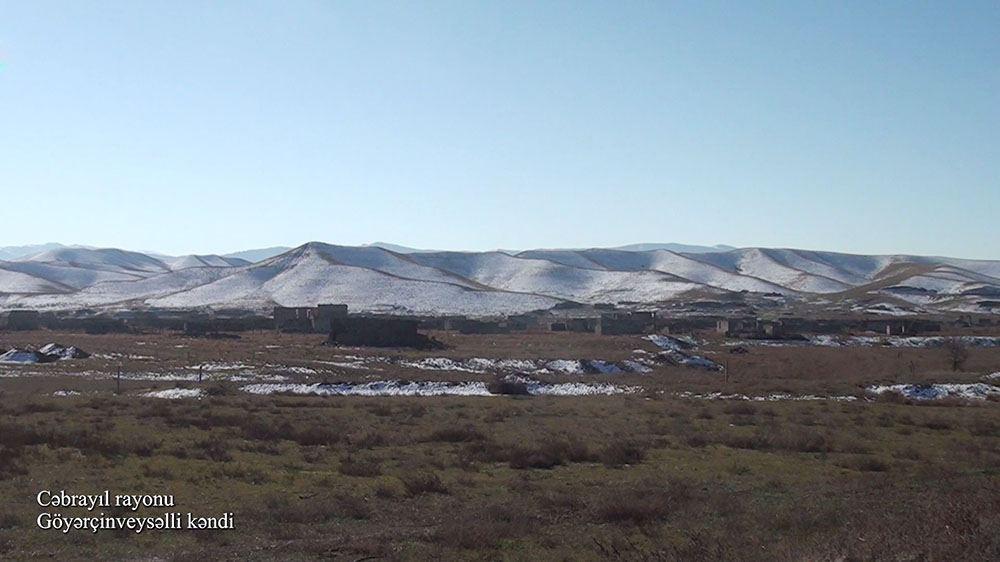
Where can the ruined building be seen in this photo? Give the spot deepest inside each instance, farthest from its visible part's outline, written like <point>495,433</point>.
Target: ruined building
<point>379,331</point>
<point>308,319</point>
<point>19,320</point>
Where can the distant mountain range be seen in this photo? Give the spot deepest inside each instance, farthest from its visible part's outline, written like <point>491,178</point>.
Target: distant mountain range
<point>18,252</point>
<point>255,255</point>
<point>395,279</point>
<point>259,254</point>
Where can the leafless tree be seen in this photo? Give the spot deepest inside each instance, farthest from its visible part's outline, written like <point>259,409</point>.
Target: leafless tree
<point>958,353</point>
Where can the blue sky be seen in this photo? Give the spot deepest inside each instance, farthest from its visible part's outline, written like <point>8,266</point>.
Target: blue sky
<point>189,126</point>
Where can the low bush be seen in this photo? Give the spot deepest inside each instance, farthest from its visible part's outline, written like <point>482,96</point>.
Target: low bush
<point>641,506</point>
<point>285,508</point>
<point>313,435</point>
<point>360,468</point>
<point>456,435</point>
<point>548,454</point>
<point>507,387</point>
<point>214,449</point>
<point>423,483</point>
<point>621,453</point>
<point>485,527</point>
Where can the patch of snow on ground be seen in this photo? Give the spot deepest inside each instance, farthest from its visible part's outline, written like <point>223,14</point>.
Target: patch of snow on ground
<point>671,342</point>
<point>130,357</point>
<point>576,389</point>
<point>64,353</point>
<point>380,388</point>
<point>221,367</point>
<point>293,370</point>
<point>432,388</point>
<point>349,363</point>
<point>977,391</point>
<point>697,361</point>
<point>179,376</point>
<point>501,364</point>
<point>773,397</point>
<point>438,364</point>
<point>176,393</point>
<point>20,357</point>
<point>66,393</point>
<point>565,366</point>
<point>480,365</point>
<point>874,341</point>
<point>636,367</point>
<point>604,367</point>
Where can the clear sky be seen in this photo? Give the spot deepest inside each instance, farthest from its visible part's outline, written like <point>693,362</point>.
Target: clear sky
<point>192,126</point>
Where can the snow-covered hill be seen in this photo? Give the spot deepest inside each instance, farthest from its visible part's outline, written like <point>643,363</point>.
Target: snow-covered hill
<point>542,276</point>
<point>17,282</point>
<point>678,265</point>
<point>105,259</point>
<point>317,273</point>
<point>184,262</point>
<point>8,253</point>
<point>374,278</point>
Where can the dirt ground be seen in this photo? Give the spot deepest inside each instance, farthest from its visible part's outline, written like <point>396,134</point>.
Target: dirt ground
<point>646,475</point>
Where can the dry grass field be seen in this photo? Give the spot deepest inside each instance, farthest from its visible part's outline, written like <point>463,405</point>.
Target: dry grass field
<point>640,476</point>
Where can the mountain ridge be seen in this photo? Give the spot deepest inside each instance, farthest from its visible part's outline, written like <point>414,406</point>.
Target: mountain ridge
<point>393,280</point>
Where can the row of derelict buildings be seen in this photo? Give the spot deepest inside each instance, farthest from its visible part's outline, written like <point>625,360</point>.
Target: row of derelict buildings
<point>608,320</point>
<point>570,317</point>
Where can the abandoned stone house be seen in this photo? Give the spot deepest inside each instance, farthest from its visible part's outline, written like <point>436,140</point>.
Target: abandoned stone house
<point>901,327</point>
<point>594,320</point>
<point>587,324</point>
<point>483,326</point>
<point>378,331</point>
<point>750,327</point>
<point>308,319</point>
<point>668,324</point>
<point>627,323</point>
<point>19,320</point>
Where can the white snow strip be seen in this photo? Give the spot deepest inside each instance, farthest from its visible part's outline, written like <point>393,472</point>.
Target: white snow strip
<point>671,342</point>
<point>976,391</point>
<point>565,366</point>
<point>130,357</point>
<point>561,366</point>
<point>438,364</point>
<point>20,357</point>
<point>577,389</point>
<point>605,367</point>
<point>636,367</point>
<point>874,341</point>
<point>194,377</point>
<point>176,393</point>
<point>350,362</point>
<point>221,367</point>
<point>431,388</point>
<point>774,397</point>
<point>293,370</point>
<point>380,388</point>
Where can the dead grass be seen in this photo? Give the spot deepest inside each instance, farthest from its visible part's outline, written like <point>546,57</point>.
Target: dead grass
<point>536,478</point>
<point>423,483</point>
